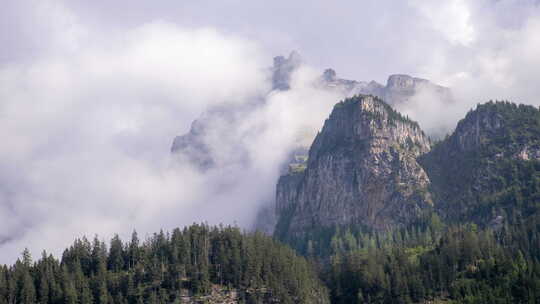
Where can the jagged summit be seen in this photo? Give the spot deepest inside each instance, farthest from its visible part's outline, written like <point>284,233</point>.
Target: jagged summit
<point>498,124</point>
<point>217,138</point>
<point>483,171</point>
<point>361,169</point>
<point>371,168</point>
<point>403,81</point>
<point>283,69</point>
<point>399,88</point>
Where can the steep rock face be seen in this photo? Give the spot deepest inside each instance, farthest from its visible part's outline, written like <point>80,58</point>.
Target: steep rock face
<point>486,169</point>
<point>361,169</point>
<point>221,125</point>
<point>283,69</point>
<point>399,88</point>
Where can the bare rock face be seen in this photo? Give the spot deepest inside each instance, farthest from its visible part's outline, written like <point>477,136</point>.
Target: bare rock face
<point>283,69</point>
<point>218,126</point>
<point>361,169</point>
<point>399,88</point>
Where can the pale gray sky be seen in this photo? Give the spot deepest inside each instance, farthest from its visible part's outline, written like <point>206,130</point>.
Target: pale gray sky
<point>361,39</point>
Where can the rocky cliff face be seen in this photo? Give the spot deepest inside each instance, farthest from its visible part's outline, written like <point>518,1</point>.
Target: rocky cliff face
<point>221,126</point>
<point>217,139</point>
<point>283,69</point>
<point>399,88</point>
<point>361,169</point>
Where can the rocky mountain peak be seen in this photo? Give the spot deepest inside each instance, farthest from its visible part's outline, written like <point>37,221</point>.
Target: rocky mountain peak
<point>361,169</point>
<point>283,69</point>
<point>329,75</point>
<point>368,118</point>
<point>497,124</point>
<point>402,81</point>
<point>491,153</point>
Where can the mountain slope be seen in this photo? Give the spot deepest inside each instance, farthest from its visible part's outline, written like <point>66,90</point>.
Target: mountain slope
<point>399,88</point>
<point>361,170</point>
<point>488,170</point>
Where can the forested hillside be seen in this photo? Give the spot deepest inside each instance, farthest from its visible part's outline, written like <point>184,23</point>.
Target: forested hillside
<point>488,170</point>
<point>185,266</point>
<point>454,264</point>
<point>479,243</point>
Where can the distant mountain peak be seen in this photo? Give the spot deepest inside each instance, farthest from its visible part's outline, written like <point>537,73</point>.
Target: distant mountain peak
<point>403,81</point>
<point>283,69</point>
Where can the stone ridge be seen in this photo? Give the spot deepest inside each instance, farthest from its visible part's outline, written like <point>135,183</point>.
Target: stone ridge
<point>475,171</point>
<point>283,69</point>
<point>399,88</point>
<point>500,123</point>
<point>361,169</point>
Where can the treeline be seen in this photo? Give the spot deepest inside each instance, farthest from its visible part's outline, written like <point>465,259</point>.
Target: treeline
<point>164,268</point>
<point>459,264</point>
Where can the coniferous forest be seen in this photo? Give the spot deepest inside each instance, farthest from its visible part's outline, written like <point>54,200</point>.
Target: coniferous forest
<point>165,268</point>
<point>450,264</point>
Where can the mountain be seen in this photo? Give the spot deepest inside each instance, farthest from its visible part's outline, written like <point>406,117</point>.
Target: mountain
<point>371,169</point>
<point>389,217</point>
<point>283,69</point>
<point>361,170</point>
<point>399,88</point>
<point>220,138</point>
<point>488,170</point>
<point>221,126</point>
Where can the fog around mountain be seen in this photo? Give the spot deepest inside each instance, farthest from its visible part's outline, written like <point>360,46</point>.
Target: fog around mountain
<point>92,98</point>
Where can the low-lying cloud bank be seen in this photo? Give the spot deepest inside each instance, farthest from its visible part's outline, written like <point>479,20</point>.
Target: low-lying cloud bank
<point>86,134</point>
<point>88,116</point>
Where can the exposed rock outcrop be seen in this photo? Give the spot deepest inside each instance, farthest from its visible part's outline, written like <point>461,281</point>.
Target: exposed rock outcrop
<point>399,88</point>
<point>283,69</point>
<point>479,171</point>
<point>219,126</point>
<point>361,169</point>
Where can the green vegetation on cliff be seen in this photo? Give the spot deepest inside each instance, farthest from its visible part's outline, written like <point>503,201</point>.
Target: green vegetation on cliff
<point>489,167</point>
<point>479,244</point>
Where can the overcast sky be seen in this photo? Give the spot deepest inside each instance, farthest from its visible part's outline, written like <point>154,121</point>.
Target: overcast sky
<point>360,39</point>
<point>92,94</point>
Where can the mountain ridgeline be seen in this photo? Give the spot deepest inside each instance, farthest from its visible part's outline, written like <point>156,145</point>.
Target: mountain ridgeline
<point>374,169</point>
<point>391,217</point>
<point>361,169</point>
<point>488,170</point>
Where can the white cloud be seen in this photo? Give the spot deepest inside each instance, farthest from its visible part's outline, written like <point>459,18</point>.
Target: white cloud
<point>450,18</point>
<point>87,133</point>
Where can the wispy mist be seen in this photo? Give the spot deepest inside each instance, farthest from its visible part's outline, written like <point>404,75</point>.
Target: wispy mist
<point>91,98</point>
